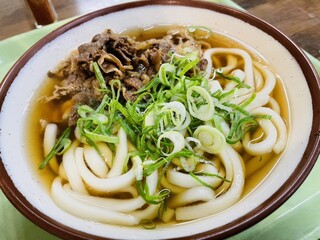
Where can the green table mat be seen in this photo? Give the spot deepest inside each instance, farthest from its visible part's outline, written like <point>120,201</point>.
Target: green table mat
<point>298,218</point>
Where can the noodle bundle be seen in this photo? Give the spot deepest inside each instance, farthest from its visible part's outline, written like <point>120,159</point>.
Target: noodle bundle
<point>171,137</point>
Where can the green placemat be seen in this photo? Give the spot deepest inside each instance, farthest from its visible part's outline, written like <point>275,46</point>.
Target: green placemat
<point>298,218</point>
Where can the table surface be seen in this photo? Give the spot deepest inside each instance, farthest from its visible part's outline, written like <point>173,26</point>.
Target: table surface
<point>297,219</point>
<point>298,19</point>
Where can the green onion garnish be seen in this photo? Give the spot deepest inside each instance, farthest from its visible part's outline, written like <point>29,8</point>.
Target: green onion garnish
<point>59,147</point>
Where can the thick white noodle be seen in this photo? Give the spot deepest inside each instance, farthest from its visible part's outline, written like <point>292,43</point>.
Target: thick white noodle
<point>106,153</point>
<point>191,195</point>
<point>119,205</point>
<point>236,73</point>
<point>264,146</point>
<point>95,161</point>
<point>256,162</point>
<point>103,185</point>
<point>87,211</point>
<point>240,96</point>
<point>248,69</point>
<point>120,156</point>
<point>214,86</point>
<point>185,180</point>
<point>62,173</point>
<point>70,167</point>
<point>49,139</point>
<point>225,127</point>
<point>222,202</point>
<point>132,190</point>
<point>280,125</point>
<point>274,105</point>
<point>259,100</point>
<point>269,79</point>
<point>77,134</point>
<point>232,62</point>
<point>173,188</point>
<point>227,173</point>
<point>150,212</point>
<point>167,215</point>
<point>258,79</point>
<point>262,96</point>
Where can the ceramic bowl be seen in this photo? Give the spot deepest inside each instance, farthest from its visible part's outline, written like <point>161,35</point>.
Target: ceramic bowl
<point>20,181</point>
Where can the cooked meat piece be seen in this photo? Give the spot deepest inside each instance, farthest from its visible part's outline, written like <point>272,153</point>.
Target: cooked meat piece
<point>133,82</point>
<point>128,95</point>
<point>87,51</point>
<point>165,46</point>
<point>123,48</point>
<point>62,73</point>
<point>81,98</point>
<point>108,58</point>
<point>142,61</point>
<point>202,65</point>
<point>155,58</point>
<point>134,63</point>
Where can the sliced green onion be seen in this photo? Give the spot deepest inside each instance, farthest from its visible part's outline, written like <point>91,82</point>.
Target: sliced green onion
<point>200,103</point>
<point>226,95</point>
<point>149,168</point>
<point>178,115</point>
<point>214,175</point>
<point>195,141</point>
<point>166,69</point>
<point>267,117</point>
<point>129,129</point>
<point>61,145</point>
<point>96,137</point>
<point>238,108</point>
<point>148,224</point>
<point>143,190</point>
<point>190,61</point>
<point>234,79</point>
<point>248,101</point>
<point>149,118</point>
<point>240,126</point>
<point>99,76</point>
<point>188,164</point>
<point>175,144</point>
<point>212,140</point>
<point>199,180</point>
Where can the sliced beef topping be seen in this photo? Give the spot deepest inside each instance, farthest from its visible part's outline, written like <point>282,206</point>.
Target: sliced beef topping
<point>132,62</point>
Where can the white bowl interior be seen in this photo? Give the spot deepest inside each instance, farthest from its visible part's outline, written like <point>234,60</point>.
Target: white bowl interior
<point>16,105</point>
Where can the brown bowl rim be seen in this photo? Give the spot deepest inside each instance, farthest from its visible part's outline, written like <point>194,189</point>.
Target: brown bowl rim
<point>267,207</point>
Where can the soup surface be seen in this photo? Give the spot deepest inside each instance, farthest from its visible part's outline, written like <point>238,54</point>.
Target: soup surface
<point>158,125</point>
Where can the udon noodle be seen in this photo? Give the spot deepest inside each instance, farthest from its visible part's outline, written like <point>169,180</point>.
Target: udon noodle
<point>168,133</point>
